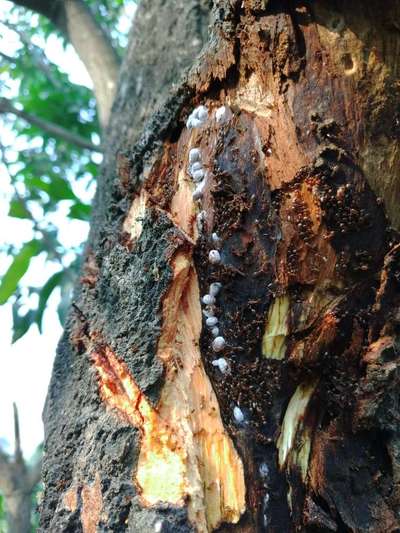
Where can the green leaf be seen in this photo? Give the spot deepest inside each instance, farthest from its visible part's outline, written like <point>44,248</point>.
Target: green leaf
<point>18,210</point>
<point>80,211</point>
<point>57,188</point>
<point>17,269</point>
<point>60,189</point>
<point>21,324</point>
<point>53,282</point>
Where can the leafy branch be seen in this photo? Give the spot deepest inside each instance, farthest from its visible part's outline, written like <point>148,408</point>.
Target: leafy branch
<point>6,106</point>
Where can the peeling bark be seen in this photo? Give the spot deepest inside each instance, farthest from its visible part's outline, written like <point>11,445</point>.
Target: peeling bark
<point>287,419</point>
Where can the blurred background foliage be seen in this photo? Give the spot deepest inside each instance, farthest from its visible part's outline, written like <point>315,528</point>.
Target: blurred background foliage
<point>51,176</point>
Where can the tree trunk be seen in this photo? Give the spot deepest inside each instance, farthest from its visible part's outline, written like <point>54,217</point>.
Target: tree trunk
<point>286,419</point>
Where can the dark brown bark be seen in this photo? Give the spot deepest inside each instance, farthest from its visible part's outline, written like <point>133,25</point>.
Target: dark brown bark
<point>144,431</point>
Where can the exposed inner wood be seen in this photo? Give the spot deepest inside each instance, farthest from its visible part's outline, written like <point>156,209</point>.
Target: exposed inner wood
<point>133,222</point>
<point>185,451</point>
<point>277,327</point>
<point>92,503</point>
<point>70,499</point>
<point>292,426</point>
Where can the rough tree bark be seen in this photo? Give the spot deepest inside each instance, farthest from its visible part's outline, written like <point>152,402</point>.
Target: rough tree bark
<point>300,431</point>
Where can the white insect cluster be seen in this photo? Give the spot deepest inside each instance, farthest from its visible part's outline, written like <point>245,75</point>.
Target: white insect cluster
<point>197,117</point>
<point>218,344</point>
<point>198,175</point>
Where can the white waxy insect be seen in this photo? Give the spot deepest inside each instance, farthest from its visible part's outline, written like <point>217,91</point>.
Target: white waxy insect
<point>215,288</point>
<point>196,166</point>
<point>215,332</point>
<point>198,175</point>
<point>158,526</point>
<point>215,239</point>
<point>200,219</point>
<point>199,190</point>
<point>193,122</point>
<point>238,414</point>
<point>189,122</point>
<point>197,117</point>
<point>208,299</point>
<point>218,344</point>
<point>201,113</point>
<point>214,257</point>
<point>221,364</point>
<point>221,114</point>
<point>212,321</point>
<point>194,155</point>
<point>264,470</point>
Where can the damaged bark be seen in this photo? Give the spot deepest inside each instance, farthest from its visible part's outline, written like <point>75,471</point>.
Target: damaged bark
<point>286,418</point>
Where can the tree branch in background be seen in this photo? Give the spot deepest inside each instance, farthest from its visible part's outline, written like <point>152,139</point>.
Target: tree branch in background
<point>37,54</point>
<point>75,20</point>
<point>17,481</point>
<point>17,449</point>
<point>53,129</point>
